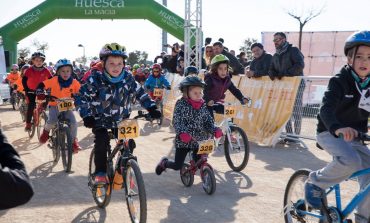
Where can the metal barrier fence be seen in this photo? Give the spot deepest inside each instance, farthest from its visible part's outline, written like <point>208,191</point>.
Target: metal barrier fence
<point>303,121</point>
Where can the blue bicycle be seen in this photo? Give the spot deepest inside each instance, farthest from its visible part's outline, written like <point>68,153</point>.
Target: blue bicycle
<point>296,210</point>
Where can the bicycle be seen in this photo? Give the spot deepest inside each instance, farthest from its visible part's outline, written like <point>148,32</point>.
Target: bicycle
<point>38,112</point>
<point>207,174</point>
<point>236,144</point>
<point>124,174</point>
<point>60,137</point>
<point>15,99</point>
<point>296,210</point>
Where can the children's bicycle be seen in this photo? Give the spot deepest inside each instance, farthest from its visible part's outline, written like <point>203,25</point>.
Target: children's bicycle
<point>23,107</point>
<point>296,209</point>
<point>36,125</point>
<point>236,144</point>
<point>207,174</point>
<point>122,172</point>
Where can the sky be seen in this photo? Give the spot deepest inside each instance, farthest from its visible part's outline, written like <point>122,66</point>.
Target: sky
<point>233,20</point>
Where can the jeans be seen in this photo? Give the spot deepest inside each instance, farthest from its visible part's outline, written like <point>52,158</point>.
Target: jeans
<point>349,157</point>
<point>53,119</point>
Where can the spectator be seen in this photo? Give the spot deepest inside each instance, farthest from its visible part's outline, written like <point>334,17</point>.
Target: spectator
<point>208,56</point>
<point>261,63</point>
<point>207,41</point>
<point>163,54</point>
<point>289,61</point>
<point>242,60</point>
<point>218,48</point>
<point>15,185</point>
<point>232,52</point>
<point>222,41</point>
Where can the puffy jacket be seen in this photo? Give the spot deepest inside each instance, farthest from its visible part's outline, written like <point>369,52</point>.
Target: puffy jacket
<point>198,123</point>
<point>340,105</point>
<point>216,87</point>
<point>156,82</point>
<point>260,66</point>
<point>290,63</point>
<point>15,185</point>
<point>109,103</point>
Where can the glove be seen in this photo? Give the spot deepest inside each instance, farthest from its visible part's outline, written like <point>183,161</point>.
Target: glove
<point>41,97</point>
<point>89,122</point>
<point>218,133</point>
<point>185,137</point>
<point>154,112</point>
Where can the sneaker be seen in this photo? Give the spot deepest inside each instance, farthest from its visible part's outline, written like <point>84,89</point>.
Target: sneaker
<point>76,147</point>
<point>44,137</point>
<point>28,127</point>
<point>314,195</point>
<point>100,178</point>
<point>161,166</point>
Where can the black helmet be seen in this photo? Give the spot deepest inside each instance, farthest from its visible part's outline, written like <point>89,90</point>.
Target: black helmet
<point>357,39</point>
<point>191,81</point>
<point>38,54</point>
<point>191,70</point>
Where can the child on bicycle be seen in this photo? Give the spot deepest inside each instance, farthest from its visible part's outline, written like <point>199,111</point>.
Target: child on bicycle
<point>343,115</point>
<point>33,76</point>
<point>192,123</point>
<point>13,77</point>
<point>63,85</point>
<point>104,101</point>
<point>218,81</point>
<point>156,80</point>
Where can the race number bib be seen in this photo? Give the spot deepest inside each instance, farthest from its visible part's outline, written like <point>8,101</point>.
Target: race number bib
<point>65,105</point>
<point>365,100</point>
<point>230,111</point>
<point>206,146</point>
<point>128,129</point>
<point>158,92</point>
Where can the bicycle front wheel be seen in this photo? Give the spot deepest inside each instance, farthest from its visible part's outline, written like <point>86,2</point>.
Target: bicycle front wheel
<point>209,180</point>
<point>16,101</point>
<point>294,204</point>
<point>187,178</point>
<point>65,145</point>
<point>135,192</point>
<point>31,132</point>
<point>41,123</point>
<point>237,151</point>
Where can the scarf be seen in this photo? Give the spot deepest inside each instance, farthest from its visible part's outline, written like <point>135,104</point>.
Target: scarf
<point>282,49</point>
<point>65,83</point>
<point>114,79</point>
<point>361,82</point>
<point>195,104</point>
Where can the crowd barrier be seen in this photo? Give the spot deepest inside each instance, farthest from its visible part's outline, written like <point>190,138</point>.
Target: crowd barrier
<point>273,105</point>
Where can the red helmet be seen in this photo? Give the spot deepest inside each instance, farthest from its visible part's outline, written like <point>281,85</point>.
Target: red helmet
<point>157,66</point>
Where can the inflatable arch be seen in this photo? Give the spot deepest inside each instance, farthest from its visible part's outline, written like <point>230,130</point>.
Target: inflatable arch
<point>49,10</point>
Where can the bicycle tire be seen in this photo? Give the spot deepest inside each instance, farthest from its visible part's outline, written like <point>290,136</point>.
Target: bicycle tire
<point>187,178</point>
<point>101,195</point>
<point>208,179</point>
<point>15,101</point>
<point>42,121</point>
<point>295,199</point>
<point>129,186</point>
<point>31,132</point>
<point>23,110</point>
<point>230,152</point>
<point>65,145</point>
<point>54,147</point>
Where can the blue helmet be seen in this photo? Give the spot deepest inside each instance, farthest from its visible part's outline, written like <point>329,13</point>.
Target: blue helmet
<point>357,39</point>
<point>191,70</point>
<point>62,63</point>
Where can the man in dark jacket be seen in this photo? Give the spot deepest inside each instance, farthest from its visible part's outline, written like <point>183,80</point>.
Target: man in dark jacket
<point>261,63</point>
<point>289,61</point>
<point>15,186</point>
<point>218,48</point>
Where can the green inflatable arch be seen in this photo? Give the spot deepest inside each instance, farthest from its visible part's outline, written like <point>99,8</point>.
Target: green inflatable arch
<point>50,10</point>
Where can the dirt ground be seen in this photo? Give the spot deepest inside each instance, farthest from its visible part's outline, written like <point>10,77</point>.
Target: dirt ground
<point>253,195</point>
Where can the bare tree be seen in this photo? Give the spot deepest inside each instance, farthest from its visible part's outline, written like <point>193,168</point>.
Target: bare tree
<point>40,46</point>
<point>303,17</point>
<point>24,52</point>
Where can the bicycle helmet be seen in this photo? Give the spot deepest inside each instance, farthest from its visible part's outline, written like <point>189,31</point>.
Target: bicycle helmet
<point>15,66</point>
<point>112,49</point>
<point>38,54</point>
<point>191,81</point>
<point>220,58</point>
<point>26,66</point>
<point>62,63</point>
<point>135,67</point>
<point>191,70</point>
<point>357,39</point>
<point>157,66</point>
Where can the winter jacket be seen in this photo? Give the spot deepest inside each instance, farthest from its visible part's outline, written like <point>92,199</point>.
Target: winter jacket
<point>156,82</point>
<point>290,63</point>
<point>340,105</point>
<point>32,78</point>
<point>12,78</point>
<point>198,123</point>
<point>234,63</point>
<point>260,66</point>
<point>216,87</point>
<point>109,103</point>
<point>15,185</point>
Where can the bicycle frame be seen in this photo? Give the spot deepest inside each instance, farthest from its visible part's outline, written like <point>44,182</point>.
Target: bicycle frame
<point>201,162</point>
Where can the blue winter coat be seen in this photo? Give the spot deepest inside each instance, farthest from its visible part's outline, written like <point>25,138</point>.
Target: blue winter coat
<point>156,82</point>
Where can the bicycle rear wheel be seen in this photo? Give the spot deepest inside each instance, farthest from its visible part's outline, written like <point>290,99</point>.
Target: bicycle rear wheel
<point>187,178</point>
<point>65,145</point>
<point>209,180</point>
<point>41,123</point>
<point>294,202</point>
<point>237,151</point>
<point>103,193</point>
<point>135,192</point>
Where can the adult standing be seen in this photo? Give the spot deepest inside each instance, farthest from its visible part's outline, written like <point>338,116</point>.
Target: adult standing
<point>208,56</point>
<point>218,48</point>
<point>289,61</point>
<point>242,60</point>
<point>260,65</point>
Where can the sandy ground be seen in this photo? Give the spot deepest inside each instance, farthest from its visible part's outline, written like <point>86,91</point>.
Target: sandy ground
<point>253,195</point>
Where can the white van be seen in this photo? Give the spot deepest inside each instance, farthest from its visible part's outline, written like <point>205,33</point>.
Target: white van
<point>4,88</point>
